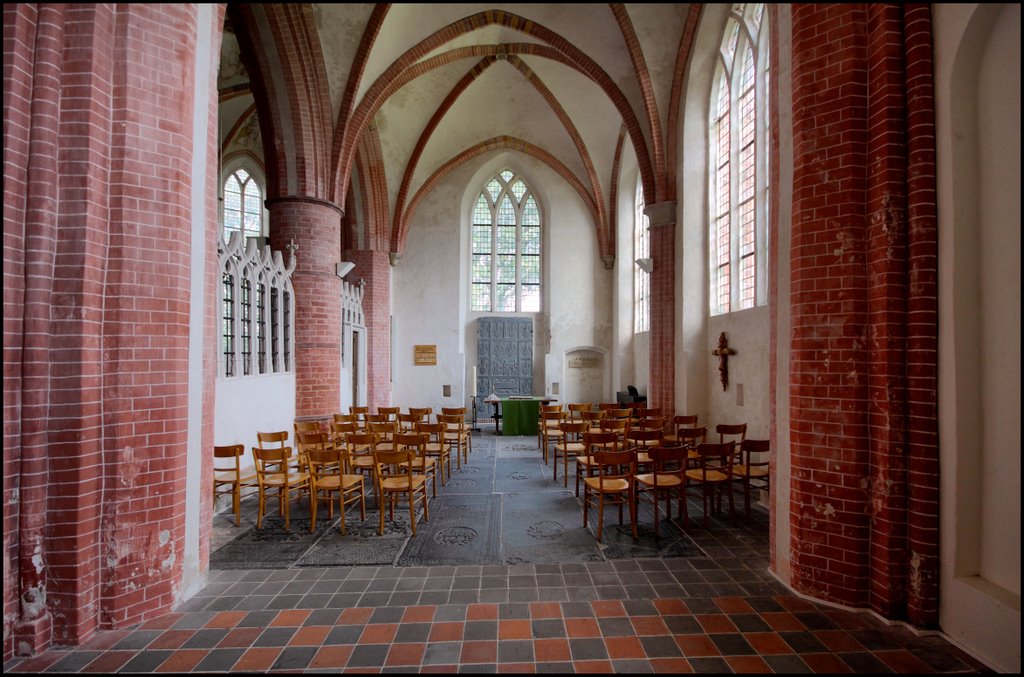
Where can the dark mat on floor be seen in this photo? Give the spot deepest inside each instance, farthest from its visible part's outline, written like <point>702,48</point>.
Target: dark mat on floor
<point>545,527</point>
<point>463,529</point>
<point>271,547</point>
<point>523,475</point>
<point>362,545</point>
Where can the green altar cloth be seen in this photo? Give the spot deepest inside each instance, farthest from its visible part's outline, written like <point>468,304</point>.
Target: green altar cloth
<point>520,416</point>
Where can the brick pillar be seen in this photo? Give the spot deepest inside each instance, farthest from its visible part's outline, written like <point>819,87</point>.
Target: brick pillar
<point>855,280</point>
<point>662,391</point>
<point>315,228</point>
<point>375,268</point>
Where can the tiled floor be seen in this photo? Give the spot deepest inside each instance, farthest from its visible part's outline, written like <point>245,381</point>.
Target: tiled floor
<point>719,613</point>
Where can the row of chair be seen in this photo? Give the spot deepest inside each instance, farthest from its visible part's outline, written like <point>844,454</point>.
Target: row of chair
<point>330,457</point>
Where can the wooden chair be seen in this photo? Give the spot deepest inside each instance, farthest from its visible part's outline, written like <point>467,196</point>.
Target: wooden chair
<point>390,412</point>
<point>461,413</point>
<point>327,477</point>
<point>278,439</point>
<point>643,440</point>
<point>620,426</point>
<point>750,471</point>
<point>361,412</point>
<point>593,419</point>
<point>360,447</point>
<point>679,422</point>
<point>664,480</point>
<point>346,418</point>
<point>385,431</point>
<point>274,471</point>
<point>407,422</point>
<point>545,409</point>
<point>228,477</point>
<point>732,432</point>
<point>339,430</point>
<point>691,438</point>
<point>392,482</point>
<point>423,463</point>
<point>592,443</point>
<point>613,485</point>
<point>455,436</point>
<point>713,476</point>
<point>437,447</point>
<point>422,414</point>
<point>549,430</point>
<point>570,443</point>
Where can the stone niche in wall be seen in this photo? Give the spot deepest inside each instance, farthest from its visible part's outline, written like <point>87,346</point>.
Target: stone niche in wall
<point>584,376</point>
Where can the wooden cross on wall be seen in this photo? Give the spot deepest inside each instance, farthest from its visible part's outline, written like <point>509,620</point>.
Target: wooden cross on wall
<point>722,353</point>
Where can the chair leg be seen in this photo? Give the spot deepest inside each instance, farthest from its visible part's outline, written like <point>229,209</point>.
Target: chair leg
<point>412,513</point>
<point>236,502</point>
<point>341,508</point>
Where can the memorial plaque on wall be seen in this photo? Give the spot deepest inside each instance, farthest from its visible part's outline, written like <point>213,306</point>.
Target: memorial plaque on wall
<point>504,351</point>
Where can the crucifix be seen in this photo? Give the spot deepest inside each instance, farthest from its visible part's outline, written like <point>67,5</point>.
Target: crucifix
<point>722,353</point>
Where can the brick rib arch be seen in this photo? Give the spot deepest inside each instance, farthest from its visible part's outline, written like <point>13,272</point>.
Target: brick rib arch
<point>400,232</point>
<point>643,78</point>
<point>347,133</point>
<point>503,143</point>
<point>279,47</point>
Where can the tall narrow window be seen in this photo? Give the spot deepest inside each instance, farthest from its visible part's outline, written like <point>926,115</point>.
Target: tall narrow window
<point>506,247</point>
<point>243,205</point>
<point>737,176</point>
<point>641,278</point>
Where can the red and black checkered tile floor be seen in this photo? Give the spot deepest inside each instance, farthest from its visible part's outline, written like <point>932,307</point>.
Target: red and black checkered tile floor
<point>717,613</point>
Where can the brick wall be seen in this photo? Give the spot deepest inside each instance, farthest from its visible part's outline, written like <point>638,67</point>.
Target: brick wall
<point>375,268</point>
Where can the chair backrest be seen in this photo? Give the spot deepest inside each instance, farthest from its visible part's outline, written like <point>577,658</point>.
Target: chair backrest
<point>415,441</point>
<point>422,412</point>
<point>550,408</point>
<point>309,440</point>
<point>652,423</point>
<point>599,440</point>
<point>271,461</point>
<point>668,460</point>
<point>361,442</point>
<point>651,412</point>
<point>622,412</point>
<point>691,437</point>
<point>232,451</point>
<point>592,417</point>
<point>341,428</point>
<point>684,421</point>
<point>615,465</point>
<point>434,430</point>
<point>605,406</point>
<point>361,412</point>
<point>715,456</point>
<point>346,418</point>
<point>453,411</point>
<point>388,463</point>
<point>307,426</point>
<point>554,417</point>
<point>390,412</point>
<point>572,431</point>
<point>636,409</point>
<point>640,437</point>
<point>324,462</point>
<point>408,422</point>
<point>452,422</point>
<point>268,440</point>
<point>734,432</point>
<point>385,430</point>
<point>619,426</point>
<point>576,409</point>
<point>750,446</point>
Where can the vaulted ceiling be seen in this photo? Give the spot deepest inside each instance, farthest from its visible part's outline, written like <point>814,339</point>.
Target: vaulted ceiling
<point>392,97</point>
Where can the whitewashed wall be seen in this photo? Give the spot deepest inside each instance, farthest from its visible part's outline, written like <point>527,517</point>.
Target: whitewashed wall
<point>252,404</point>
<point>430,286</point>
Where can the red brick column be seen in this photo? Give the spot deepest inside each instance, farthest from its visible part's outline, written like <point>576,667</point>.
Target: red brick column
<point>662,391</point>
<point>315,228</point>
<point>375,268</point>
<point>850,296</point>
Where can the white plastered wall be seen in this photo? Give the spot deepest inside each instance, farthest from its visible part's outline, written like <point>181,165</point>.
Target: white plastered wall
<point>977,93</point>
<point>430,285</point>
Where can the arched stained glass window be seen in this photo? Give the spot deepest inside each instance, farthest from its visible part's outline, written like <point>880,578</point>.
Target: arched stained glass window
<point>738,176</point>
<point>506,247</point>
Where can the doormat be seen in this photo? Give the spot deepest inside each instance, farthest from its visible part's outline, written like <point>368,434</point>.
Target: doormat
<point>463,529</point>
<point>545,527</point>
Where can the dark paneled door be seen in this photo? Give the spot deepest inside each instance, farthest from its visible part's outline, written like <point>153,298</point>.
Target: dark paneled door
<point>504,357</point>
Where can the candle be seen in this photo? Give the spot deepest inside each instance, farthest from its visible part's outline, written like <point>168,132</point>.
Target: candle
<point>472,383</point>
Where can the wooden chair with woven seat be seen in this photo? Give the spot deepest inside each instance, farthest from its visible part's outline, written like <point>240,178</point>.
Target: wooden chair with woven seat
<point>437,447</point>
<point>303,428</point>
<point>422,414</point>
<point>549,430</point>
<point>713,476</point>
<point>346,418</point>
<point>643,440</point>
<point>407,422</point>
<point>664,480</point>
<point>732,432</point>
<point>606,406</point>
<point>569,444</point>
<point>327,476</point>
<point>340,430</point>
<point>392,481</point>
<point>229,478</point>
<point>274,471</point>
<point>613,484</point>
<point>385,430</point>
<point>455,436</point>
<point>423,464</point>
<point>691,438</point>
<point>541,410</point>
<point>751,471</point>
<point>593,419</point>
<point>461,413</point>
<point>620,426</point>
<point>361,412</point>
<point>278,439</point>
<point>360,447</point>
<point>390,412</point>
<point>592,443</point>
<point>679,422</point>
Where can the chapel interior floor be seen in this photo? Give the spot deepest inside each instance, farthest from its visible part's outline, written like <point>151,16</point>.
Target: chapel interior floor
<point>518,603</point>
